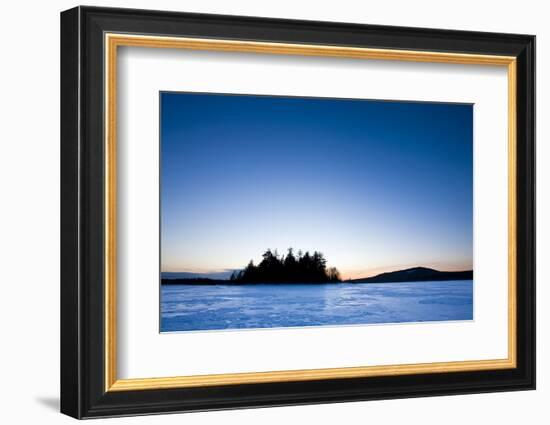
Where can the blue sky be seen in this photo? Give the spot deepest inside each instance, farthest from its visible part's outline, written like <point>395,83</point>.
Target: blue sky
<point>374,185</point>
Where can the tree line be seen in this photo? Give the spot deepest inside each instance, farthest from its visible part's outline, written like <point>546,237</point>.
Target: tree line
<point>289,268</point>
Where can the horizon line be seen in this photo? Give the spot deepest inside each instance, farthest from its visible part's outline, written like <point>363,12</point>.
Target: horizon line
<point>372,273</point>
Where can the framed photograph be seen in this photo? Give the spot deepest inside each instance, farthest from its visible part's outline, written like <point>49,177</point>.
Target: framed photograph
<point>261,212</point>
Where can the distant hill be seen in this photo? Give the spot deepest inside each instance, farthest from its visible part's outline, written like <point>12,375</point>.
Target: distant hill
<point>416,274</point>
<point>219,275</point>
<point>194,281</point>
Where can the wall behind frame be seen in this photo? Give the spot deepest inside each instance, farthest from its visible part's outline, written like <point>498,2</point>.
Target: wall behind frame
<point>29,217</point>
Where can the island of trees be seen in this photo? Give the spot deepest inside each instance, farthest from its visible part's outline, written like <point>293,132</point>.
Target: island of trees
<point>289,268</point>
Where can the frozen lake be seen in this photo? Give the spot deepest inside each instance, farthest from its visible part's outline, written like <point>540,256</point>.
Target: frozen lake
<point>202,307</point>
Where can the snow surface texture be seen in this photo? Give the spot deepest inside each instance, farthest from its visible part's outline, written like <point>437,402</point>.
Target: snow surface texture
<point>217,307</point>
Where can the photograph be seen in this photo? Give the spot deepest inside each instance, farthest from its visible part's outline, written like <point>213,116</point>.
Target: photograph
<point>284,212</point>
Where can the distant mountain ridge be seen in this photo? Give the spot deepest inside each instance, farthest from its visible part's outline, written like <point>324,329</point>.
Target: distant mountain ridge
<point>416,274</point>
<point>217,275</point>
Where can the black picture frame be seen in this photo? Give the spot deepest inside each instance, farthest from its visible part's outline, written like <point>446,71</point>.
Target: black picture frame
<point>83,392</point>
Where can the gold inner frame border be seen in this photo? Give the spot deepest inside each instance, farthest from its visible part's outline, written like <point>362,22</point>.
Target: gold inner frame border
<point>111,43</point>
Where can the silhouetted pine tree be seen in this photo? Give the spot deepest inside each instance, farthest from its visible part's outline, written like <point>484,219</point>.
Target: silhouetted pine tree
<point>306,268</point>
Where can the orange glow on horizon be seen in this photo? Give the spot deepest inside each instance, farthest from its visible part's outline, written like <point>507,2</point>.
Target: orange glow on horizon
<point>348,274</point>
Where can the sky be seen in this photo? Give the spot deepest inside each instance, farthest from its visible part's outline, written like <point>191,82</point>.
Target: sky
<point>374,185</point>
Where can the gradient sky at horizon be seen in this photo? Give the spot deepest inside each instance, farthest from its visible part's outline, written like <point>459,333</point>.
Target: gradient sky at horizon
<point>374,185</point>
